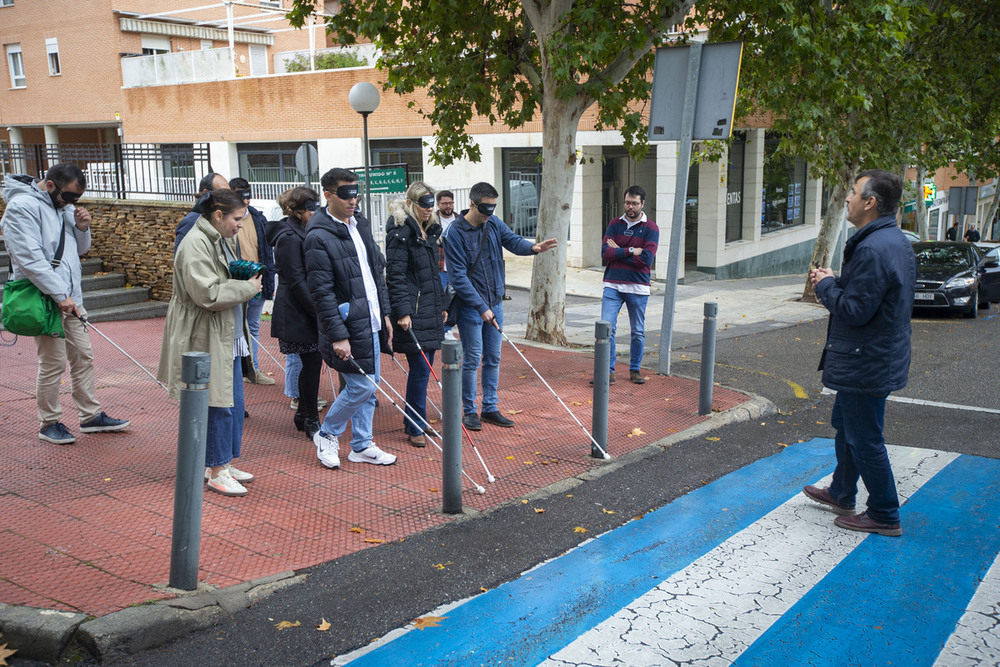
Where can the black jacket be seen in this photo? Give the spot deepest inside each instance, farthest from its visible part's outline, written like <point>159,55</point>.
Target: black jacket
<point>413,281</point>
<point>294,315</point>
<point>264,252</point>
<point>333,273</point>
<point>871,302</point>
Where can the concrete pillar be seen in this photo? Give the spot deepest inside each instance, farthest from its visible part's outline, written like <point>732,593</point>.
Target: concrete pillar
<point>666,180</point>
<point>18,163</point>
<point>51,134</point>
<point>51,145</point>
<point>753,184</point>
<point>224,158</point>
<point>812,208</point>
<point>586,228</point>
<point>712,213</point>
<point>110,135</point>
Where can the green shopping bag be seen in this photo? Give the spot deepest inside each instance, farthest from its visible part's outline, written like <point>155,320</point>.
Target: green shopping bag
<point>28,312</point>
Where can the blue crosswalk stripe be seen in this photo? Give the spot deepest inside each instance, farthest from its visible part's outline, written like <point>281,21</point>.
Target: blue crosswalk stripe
<point>745,570</point>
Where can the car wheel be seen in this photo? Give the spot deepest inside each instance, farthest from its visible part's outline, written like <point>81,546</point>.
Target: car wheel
<point>973,309</point>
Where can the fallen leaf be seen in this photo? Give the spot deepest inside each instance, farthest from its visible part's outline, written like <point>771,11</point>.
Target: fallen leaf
<point>107,479</point>
<point>373,540</point>
<point>569,495</point>
<point>433,490</point>
<point>782,444</point>
<point>528,463</point>
<point>666,400</point>
<point>821,423</point>
<point>522,377</point>
<point>356,529</point>
<point>324,625</point>
<point>638,516</point>
<point>6,653</point>
<point>441,566</point>
<point>607,511</point>
<point>635,431</point>
<point>428,622</point>
<point>524,502</point>
<point>713,438</point>
<point>510,458</point>
<point>284,625</point>
<point>538,453</point>
<point>579,529</point>
<point>575,403</point>
<point>433,421</point>
<point>514,412</point>
<point>539,510</point>
<point>483,589</point>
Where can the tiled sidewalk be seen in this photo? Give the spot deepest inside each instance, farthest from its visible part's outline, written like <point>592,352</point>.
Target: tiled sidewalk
<point>87,527</point>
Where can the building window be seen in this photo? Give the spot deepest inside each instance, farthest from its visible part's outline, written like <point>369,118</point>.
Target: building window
<point>258,60</point>
<point>734,187</point>
<point>271,3</point>
<point>6,3</point>
<point>273,163</point>
<point>16,65</point>
<point>522,183</point>
<point>206,44</point>
<point>52,50</point>
<point>400,151</point>
<point>154,45</point>
<point>784,189</point>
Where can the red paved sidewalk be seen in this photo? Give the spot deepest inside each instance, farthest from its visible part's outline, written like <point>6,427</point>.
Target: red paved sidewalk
<point>86,527</point>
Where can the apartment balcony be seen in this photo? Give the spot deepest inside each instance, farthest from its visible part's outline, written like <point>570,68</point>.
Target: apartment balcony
<point>180,67</point>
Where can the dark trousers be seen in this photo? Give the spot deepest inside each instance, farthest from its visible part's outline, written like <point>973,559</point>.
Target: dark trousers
<point>416,391</point>
<point>859,420</point>
<point>312,366</point>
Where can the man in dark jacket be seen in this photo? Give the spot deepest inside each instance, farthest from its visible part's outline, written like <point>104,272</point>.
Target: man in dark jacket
<point>473,249</point>
<point>210,181</point>
<point>344,273</point>
<point>867,353</point>
<point>253,246</point>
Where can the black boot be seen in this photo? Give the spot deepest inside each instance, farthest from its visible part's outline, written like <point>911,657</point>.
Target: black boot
<point>312,426</point>
<point>299,420</point>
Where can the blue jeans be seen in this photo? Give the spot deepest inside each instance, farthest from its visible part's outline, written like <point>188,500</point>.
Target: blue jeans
<point>225,425</point>
<point>480,342</point>
<point>254,307</point>
<point>355,404</point>
<point>444,279</point>
<point>416,391</point>
<point>293,366</point>
<point>859,420</point>
<point>611,305</point>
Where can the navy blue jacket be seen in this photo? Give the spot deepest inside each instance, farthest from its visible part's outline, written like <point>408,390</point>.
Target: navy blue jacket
<point>478,276</point>
<point>868,337</point>
<point>294,316</point>
<point>333,273</point>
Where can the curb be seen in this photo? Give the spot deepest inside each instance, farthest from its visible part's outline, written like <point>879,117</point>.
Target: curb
<point>45,634</point>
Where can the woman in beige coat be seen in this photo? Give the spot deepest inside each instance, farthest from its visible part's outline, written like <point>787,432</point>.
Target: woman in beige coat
<point>206,314</point>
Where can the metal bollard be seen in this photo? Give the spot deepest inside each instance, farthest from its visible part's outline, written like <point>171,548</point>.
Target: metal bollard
<point>192,434</point>
<point>451,426</point>
<point>707,358</point>
<point>602,372</point>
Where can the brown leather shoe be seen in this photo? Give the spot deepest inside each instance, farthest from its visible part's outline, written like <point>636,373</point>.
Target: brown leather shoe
<point>823,496</point>
<point>636,377</point>
<point>865,524</point>
<point>418,440</point>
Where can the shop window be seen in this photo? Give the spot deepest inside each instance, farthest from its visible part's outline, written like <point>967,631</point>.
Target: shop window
<point>522,185</point>
<point>734,187</point>
<point>784,189</point>
<point>15,64</point>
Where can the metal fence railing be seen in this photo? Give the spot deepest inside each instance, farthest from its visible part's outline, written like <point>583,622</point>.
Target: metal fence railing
<point>118,171</point>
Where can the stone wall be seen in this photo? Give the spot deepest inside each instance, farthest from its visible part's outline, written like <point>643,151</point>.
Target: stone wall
<point>135,238</point>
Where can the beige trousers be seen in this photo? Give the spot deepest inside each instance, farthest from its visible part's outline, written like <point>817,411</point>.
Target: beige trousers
<point>53,353</point>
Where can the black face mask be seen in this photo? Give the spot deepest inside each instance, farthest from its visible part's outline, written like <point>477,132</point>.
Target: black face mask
<point>346,192</point>
<point>244,194</point>
<point>426,201</point>
<point>309,205</point>
<point>486,209</point>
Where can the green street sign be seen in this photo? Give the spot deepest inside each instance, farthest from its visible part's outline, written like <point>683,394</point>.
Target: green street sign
<point>384,179</point>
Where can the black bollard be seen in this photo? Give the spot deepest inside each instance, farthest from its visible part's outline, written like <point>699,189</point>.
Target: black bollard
<point>602,372</point>
<point>192,434</point>
<point>451,426</point>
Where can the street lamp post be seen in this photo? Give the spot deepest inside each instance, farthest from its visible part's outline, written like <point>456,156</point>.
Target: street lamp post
<point>364,99</point>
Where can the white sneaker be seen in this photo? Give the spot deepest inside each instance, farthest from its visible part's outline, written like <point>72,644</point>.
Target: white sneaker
<point>449,335</point>
<point>294,405</point>
<point>372,455</point>
<point>225,484</point>
<point>236,473</point>
<point>327,450</point>
<point>320,404</point>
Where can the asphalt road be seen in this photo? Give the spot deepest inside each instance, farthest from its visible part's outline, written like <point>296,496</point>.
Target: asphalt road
<point>368,594</point>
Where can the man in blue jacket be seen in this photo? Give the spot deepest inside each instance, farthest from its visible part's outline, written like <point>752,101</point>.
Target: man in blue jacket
<point>867,353</point>
<point>473,250</point>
